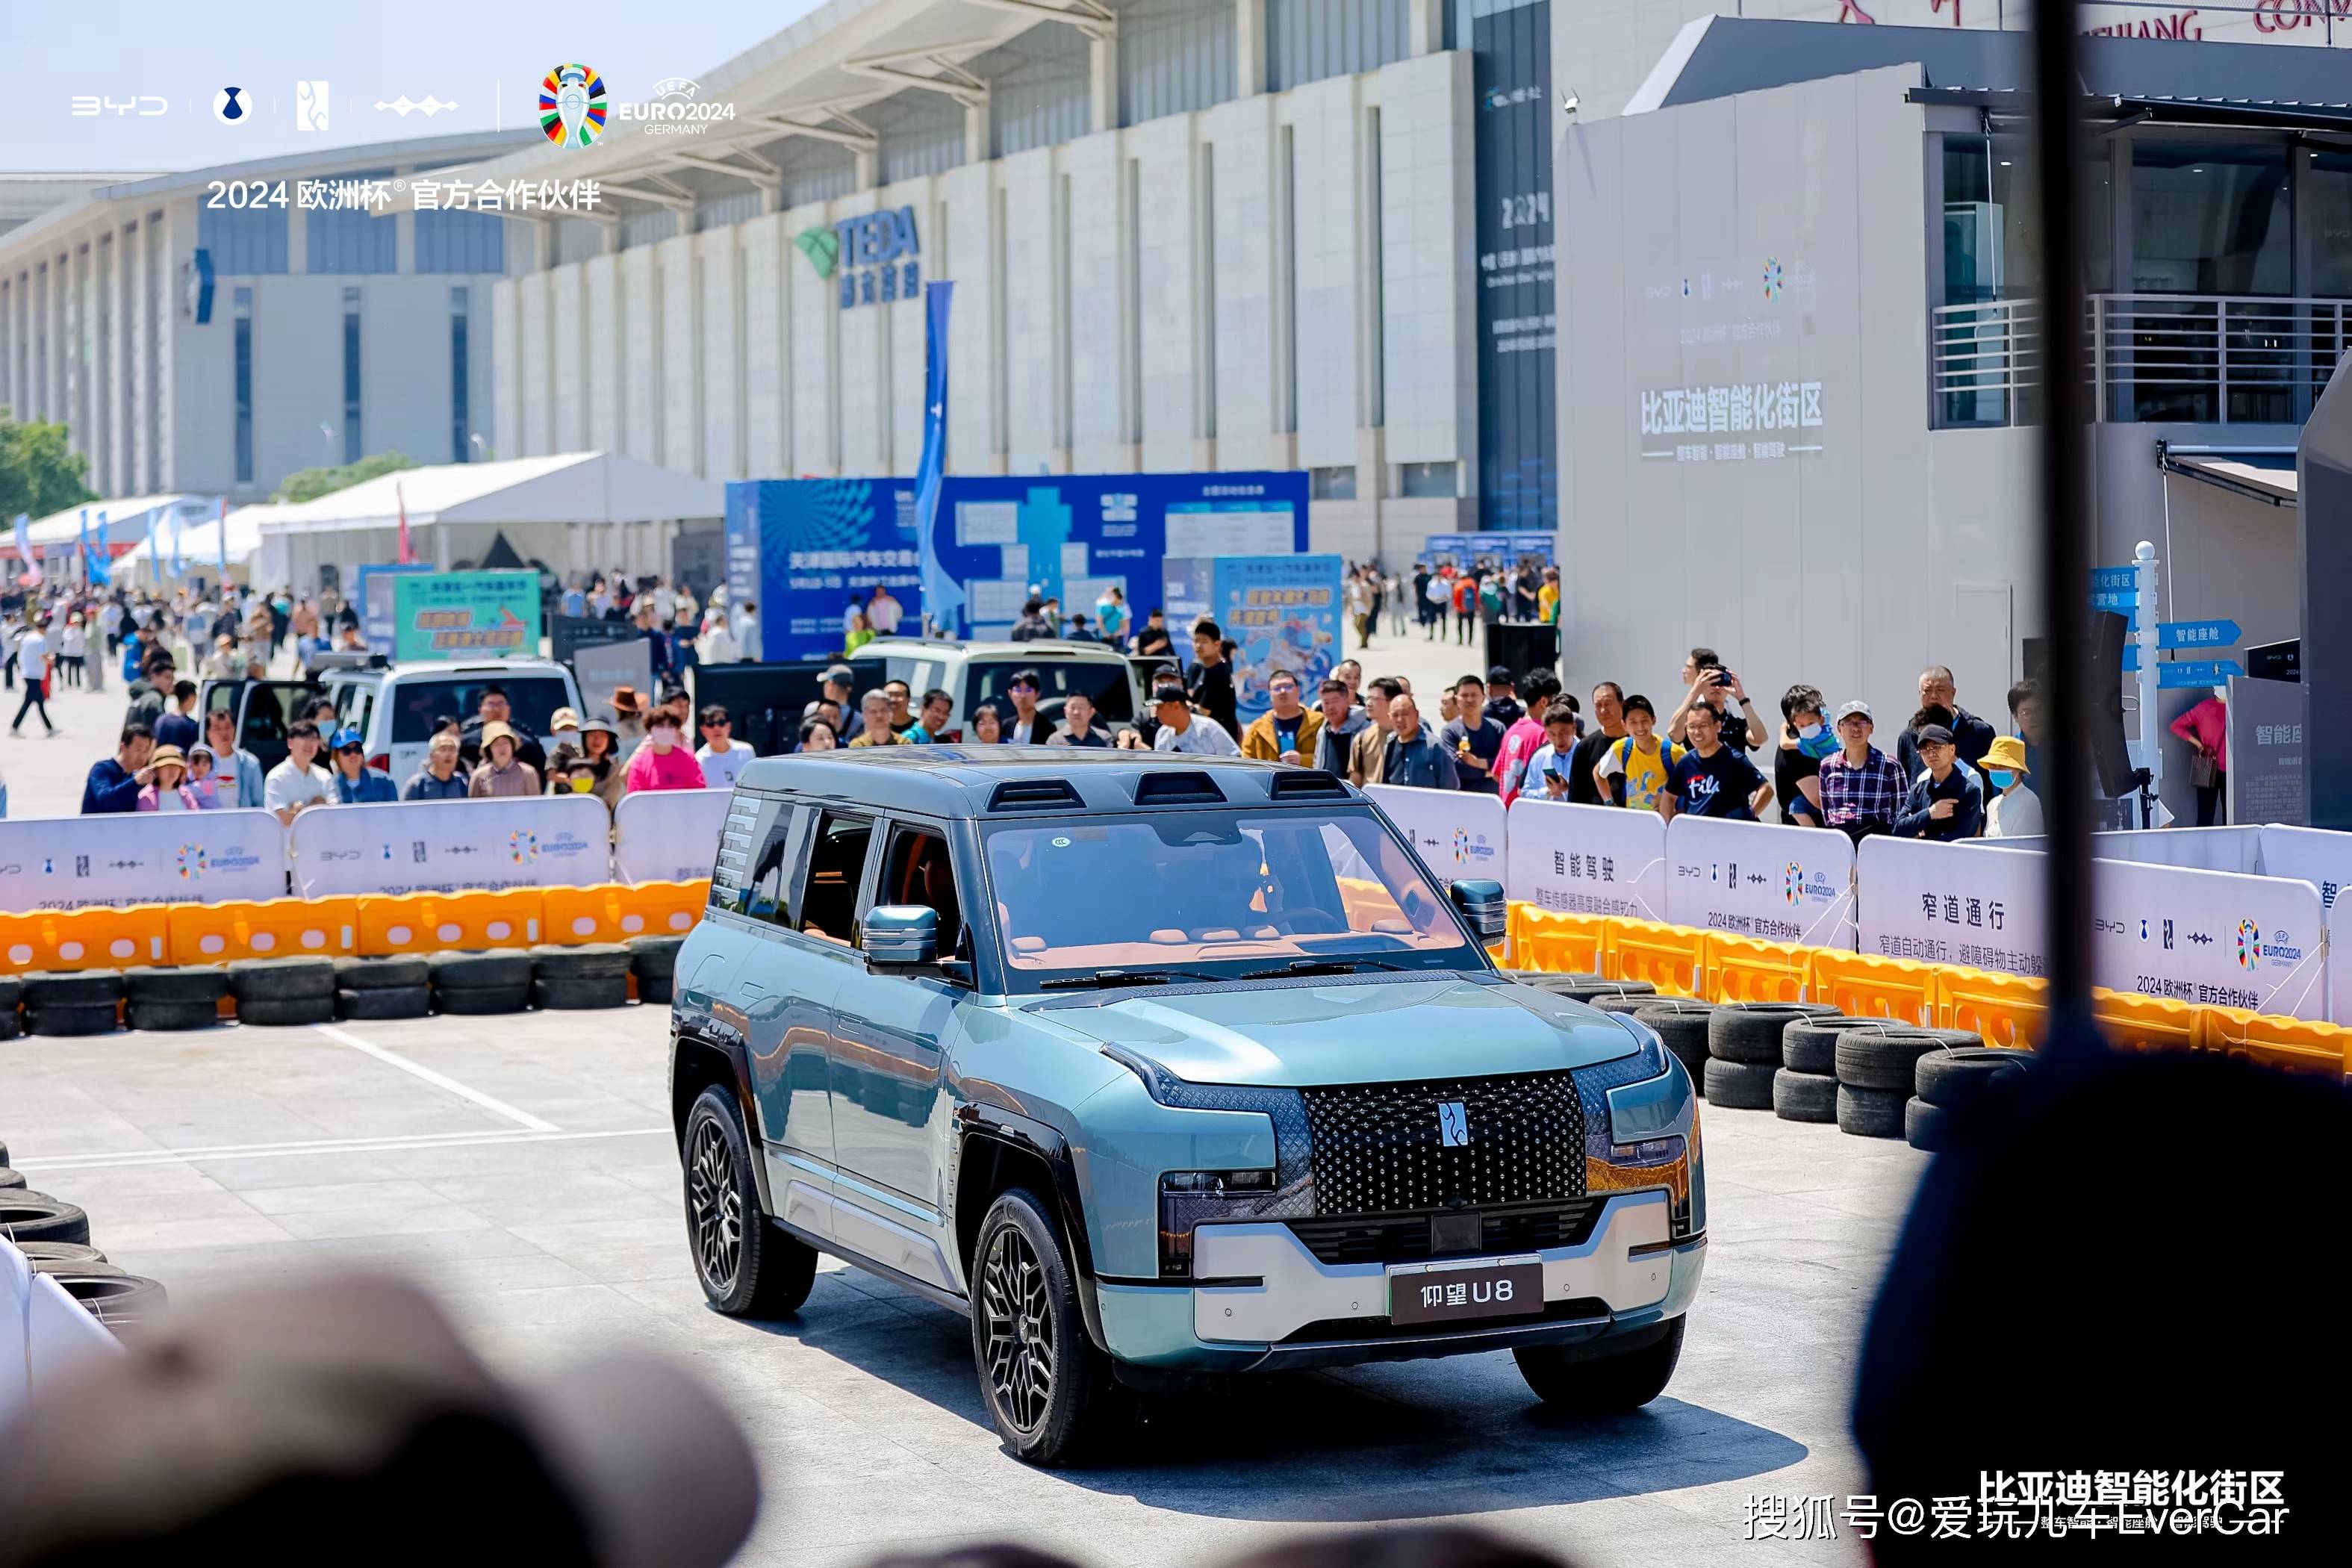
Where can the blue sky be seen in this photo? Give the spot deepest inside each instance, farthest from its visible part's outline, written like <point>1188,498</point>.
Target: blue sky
<point>485,56</point>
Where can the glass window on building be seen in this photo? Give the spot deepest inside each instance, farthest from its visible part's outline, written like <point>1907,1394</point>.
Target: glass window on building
<point>351,447</point>
<point>460,306</point>
<point>1990,252</point>
<point>244,306</point>
<point>2211,217</point>
<point>2328,220</point>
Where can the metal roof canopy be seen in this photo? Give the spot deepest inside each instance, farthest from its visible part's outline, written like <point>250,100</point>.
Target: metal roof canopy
<point>1716,56</point>
<point>570,487</point>
<point>2259,473</point>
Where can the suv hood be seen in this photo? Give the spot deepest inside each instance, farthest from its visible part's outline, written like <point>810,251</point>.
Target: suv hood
<point>1296,1034</point>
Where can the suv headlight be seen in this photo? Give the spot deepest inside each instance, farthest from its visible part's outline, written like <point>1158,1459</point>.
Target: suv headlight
<point>1190,1198</point>
<point>1641,1126</point>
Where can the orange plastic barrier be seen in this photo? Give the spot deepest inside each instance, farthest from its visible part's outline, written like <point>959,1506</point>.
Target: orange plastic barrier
<point>1741,969</point>
<point>2006,1009</point>
<point>616,911</point>
<point>2145,1023</point>
<point>274,928</point>
<point>1556,943</point>
<point>1671,958</point>
<point>2291,1045</point>
<point>102,936</point>
<point>431,922</point>
<point>1870,987</point>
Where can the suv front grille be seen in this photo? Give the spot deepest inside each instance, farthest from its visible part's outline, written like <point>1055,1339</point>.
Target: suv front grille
<point>1405,1238</point>
<point>1379,1149</point>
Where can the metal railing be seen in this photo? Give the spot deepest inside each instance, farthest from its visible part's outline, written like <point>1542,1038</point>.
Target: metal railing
<point>2190,358</point>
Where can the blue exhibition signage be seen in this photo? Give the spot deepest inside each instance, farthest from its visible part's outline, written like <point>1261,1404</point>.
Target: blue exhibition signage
<point>2219,633</point>
<point>2189,672</point>
<point>1282,612</point>
<point>2109,599</point>
<point>1504,548</point>
<point>821,544</point>
<point>2115,579</point>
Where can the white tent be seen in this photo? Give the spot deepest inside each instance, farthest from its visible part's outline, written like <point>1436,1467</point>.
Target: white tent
<point>128,520</point>
<point>548,508</point>
<point>200,545</point>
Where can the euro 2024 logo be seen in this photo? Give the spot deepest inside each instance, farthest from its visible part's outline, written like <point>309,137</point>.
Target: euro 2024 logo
<point>571,105</point>
<point>2250,945</point>
<point>523,846</point>
<point>192,863</point>
<point>1793,883</point>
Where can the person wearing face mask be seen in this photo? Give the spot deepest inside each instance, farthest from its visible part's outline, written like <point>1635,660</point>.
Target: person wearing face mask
<point>663,762</point>
<point>2015,811</point>
<point>1805,740</point>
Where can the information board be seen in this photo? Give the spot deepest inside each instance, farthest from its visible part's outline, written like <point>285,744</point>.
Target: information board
<point>466,615</point>
<point>1587,860</point>
<point>1282,612</point>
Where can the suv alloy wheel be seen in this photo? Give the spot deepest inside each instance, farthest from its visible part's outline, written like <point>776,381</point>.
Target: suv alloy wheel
<point>748,1267</point>
<point>1047,1388</point>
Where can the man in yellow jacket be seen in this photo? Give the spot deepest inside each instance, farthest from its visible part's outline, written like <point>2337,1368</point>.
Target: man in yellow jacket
<point>1286,733</point>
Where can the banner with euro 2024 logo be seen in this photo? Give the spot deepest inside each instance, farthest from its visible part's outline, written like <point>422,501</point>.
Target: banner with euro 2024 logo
<point>144,857</point>
<point>1458,835</point>
<point>1760,880</point>
<point>536,841</point>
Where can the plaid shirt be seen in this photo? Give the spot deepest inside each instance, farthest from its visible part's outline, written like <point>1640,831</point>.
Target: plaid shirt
<point>1851,793</point>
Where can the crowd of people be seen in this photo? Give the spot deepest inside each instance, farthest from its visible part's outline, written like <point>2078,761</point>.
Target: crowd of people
<point>1468,597</point>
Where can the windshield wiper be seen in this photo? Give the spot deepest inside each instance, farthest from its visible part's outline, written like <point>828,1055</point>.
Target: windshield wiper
<point>1110,977</point>
<point>1324,966</point>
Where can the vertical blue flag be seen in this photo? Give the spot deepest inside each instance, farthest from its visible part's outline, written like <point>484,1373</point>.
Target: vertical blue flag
<point>97,564</point>
<point>942,596</point>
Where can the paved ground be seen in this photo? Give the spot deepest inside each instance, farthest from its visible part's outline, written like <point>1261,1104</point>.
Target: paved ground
<point>522,1168</point>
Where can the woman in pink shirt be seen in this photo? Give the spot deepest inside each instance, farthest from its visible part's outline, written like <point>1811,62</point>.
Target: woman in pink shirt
<point>2206,728</point>
<point>662,762</point>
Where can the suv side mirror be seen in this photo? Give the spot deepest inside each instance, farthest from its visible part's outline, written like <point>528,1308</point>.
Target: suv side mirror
<point>900,934</point>
<point>1483,905</point>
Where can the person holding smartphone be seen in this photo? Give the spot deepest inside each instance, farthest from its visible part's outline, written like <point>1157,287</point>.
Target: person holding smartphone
<point>1710,682</point>
<point>1553,767</point>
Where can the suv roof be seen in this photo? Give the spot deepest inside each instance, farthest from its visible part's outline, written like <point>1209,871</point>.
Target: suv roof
<point>1052,647</point>
<point>1001,782</point>
<point>452,667</point>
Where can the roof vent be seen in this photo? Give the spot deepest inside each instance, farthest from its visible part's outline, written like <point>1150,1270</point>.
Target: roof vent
<point>1306,783</point>
<point>1033,794</point>
<point>1177,789</point>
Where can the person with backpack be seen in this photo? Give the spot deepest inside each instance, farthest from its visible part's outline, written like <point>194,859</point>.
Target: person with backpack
<point>1466,606</point>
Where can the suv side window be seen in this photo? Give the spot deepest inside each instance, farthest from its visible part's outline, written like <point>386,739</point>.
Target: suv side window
<point>920,870</point>
<point>827,905</point>
<point>769,885</point>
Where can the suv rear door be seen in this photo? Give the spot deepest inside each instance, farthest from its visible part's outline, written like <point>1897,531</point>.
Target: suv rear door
<point>266,709</point>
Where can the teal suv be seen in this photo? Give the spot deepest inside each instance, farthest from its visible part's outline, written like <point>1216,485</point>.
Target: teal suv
<point>1156,1065</point>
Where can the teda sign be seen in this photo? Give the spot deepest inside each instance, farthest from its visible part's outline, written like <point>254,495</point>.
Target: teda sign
<point>878,257</point>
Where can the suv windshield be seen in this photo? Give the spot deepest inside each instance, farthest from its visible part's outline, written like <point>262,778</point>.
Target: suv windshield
<point>1103,681</point>
<point>1259,889</point>
<point>416,703</point>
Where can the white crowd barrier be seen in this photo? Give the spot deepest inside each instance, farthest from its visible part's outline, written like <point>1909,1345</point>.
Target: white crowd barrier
<point>2221,917</point>
<point>1457,832</point>
<point>1587,860</point>
<point>141,857</point>
<point>669,836</point>
<point>1761,880</point>
<point>534,841</point>
<point>43,1331</point>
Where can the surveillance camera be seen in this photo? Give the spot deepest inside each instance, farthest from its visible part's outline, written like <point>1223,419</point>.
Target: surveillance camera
<point>1567,102</point>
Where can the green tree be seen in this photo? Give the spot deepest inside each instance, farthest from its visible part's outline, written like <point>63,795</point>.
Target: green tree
<point>309,484</point>
<point>38,472</point>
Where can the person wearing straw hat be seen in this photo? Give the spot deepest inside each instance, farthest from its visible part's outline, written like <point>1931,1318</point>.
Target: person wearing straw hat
<point>2016,810</point>
<point>167,783</point>
<point>501,772</point>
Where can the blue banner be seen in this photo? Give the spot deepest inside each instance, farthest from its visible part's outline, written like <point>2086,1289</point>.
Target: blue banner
<point>942,598</point>
<point>824,544</point>
<point>1282,612</point>
<point>1501,549</point>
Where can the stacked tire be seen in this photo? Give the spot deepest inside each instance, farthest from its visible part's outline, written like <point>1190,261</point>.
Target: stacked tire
<point>1806,1087</point>
<point>75,1002</point>
<point>400,986</point>
<point>174,998</point>
<point>1876,1070</point>
<point>12,997</point>
<point>1680,1023</point>
<point>654,961</point>
<point>498,981</point>
<point>583,975</point>
<point>1949,1085</point>
<point>1743,1049</point>
<point>280,993</point>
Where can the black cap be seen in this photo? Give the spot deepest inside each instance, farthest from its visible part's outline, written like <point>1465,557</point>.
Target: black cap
<point>1501,676</point>
<point>1933,735</point>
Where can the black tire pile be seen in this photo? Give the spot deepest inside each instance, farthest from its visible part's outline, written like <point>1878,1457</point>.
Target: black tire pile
<point>54,1236</point>
<point>1743,1049</point>
<point>284,992</point>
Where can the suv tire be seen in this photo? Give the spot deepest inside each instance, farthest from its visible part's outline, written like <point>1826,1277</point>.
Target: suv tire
<point>1602,1386</point>
<point>1025,1327</point>
<point>748,1267</point>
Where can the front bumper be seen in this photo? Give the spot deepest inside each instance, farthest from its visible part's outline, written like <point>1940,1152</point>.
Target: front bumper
<point>1298,1311</point>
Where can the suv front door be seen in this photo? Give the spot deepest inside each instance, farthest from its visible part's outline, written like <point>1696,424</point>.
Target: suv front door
<point>891,1032</point>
